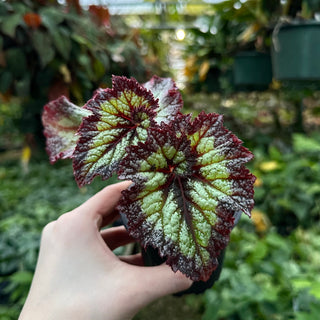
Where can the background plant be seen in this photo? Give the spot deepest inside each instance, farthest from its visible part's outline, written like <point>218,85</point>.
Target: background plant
<point>233,27</point>
<point>61,50</point>
<point>267,278</point>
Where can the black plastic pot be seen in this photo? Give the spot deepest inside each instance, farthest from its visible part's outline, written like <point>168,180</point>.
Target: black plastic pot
<point>296,51</point>
<point>152,258</point>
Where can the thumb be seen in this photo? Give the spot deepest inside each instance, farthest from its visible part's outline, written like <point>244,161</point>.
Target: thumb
<point>150,283</point>
<point>164,281</point>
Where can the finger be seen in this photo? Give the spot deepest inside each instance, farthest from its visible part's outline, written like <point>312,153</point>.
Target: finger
<point>110,218</point>
<point>116,237</point>
<point>102,204</point>
<point>135,259</point>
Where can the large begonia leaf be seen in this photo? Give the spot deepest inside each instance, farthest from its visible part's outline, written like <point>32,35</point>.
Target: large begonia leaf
<point>188,186</point>
<point>61,120</point>
<point>121,117</point>
<point>169,98</point>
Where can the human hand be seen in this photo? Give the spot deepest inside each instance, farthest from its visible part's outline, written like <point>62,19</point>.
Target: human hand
<point>79,277</point>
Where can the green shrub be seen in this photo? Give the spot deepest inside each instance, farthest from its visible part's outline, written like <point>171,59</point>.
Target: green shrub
<point>269,277</point>
<point>289,186</point>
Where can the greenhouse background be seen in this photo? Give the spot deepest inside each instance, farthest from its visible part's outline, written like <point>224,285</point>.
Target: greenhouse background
<point>254,61</point>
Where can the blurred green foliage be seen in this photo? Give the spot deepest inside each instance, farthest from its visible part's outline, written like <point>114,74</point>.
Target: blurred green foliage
<point>290,183</point>
<point>10,113</point>
<point>267,277</point>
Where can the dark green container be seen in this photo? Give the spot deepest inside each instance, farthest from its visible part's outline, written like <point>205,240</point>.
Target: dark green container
<point>252,69</point>
<point>296,52</point>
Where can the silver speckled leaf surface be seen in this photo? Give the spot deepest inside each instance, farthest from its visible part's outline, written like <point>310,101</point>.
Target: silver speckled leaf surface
<point>169,98</point>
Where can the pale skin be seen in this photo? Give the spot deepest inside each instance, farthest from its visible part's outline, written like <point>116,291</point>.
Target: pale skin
<point>79,277</point>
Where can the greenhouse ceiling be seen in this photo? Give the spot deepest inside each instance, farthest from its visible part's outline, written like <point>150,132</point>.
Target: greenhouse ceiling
<point>126,7</point>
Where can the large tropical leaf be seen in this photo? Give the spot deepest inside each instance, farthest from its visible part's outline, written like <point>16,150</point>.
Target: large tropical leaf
<point>189,185</point>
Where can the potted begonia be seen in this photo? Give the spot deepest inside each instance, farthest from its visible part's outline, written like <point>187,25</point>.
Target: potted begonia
<point>189,180</point>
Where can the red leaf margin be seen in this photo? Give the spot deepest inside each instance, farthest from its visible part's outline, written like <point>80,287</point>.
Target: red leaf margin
<point>61,118</point>
<point>233,150</point>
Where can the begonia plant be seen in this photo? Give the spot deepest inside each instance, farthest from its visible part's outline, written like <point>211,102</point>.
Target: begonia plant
<point>189,179</point>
